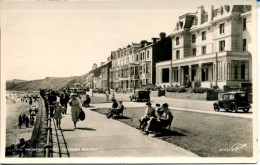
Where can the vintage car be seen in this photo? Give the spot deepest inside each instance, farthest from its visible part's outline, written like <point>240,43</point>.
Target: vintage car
<point>232,101</point>
<point>141,95</point>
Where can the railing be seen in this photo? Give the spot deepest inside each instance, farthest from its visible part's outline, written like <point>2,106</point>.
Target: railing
<point>48,148</point>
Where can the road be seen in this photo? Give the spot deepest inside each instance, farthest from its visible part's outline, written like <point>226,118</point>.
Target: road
<point>200,106</point>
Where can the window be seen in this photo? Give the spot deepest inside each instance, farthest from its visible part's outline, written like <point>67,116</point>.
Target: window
<point>177,54</point>
<point>203,34</point>
<point>222,45</point>
<point>141,69</point>
<point>193,38</point>
<point>239,70</point>
<point>175,78</point>
<point>221,28</point>
<point>165,75</point>
<point>147,67</point>
<point>243,71</point>
<point>177,40</point>
<point>137,57</point>
<point>195,21</point>
<point>244,23</point>
<point>204,74</point>
<point>194,51</point>
<point>204,50</point>
<point>244,45</point>
<point>147,53</point>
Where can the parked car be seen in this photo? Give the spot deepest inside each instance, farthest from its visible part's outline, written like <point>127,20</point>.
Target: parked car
<point>233,101</point>
<point>140,96</point>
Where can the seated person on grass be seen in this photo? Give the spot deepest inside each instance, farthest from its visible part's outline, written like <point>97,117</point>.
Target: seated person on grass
<point>116,111</point>
<point>149,113</point>
<point>156,124</point>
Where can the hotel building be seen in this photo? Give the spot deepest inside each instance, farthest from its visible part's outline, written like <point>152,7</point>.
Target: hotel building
<point>211,47</point>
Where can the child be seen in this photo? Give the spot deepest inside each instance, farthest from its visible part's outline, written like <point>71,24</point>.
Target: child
<point>57,114</point>
<point>113,96</point>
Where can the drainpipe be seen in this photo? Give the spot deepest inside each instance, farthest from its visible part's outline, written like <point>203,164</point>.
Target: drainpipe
<point>171,74</point>
<point>216,69</point>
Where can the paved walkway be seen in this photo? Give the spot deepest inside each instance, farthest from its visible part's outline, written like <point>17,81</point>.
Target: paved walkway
<point>98,136</point>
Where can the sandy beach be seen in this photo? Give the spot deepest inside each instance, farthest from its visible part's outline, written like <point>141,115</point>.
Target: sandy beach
<point>13,133</point>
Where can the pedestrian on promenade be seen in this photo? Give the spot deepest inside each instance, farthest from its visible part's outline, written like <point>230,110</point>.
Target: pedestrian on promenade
<point>149,113</point>
<point>57,114</point>
<point>113,96</point>
<point>64,99</point>
<point>76,106</point>
<point>91,92</point>
<point>107,95</point>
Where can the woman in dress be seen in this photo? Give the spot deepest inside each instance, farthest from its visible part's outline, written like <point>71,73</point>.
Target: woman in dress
<point>57,114</point>
<point>76,106</point>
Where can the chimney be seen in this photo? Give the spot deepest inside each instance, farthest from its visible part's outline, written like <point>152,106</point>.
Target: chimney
<point>102,63</point>
<point>200,10</point>
<point>211,14</point>
<point>162,35</point>
<point>94,66</point>
<point>154,40</point>
<point>143,43</point>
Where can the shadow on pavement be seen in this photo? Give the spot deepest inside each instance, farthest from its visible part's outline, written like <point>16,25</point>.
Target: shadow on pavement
<point>85,128</point>
<point>68,130</point>
<point>170,133</point>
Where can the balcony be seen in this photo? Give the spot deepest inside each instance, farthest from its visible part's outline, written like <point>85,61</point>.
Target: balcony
<point>196,59</point>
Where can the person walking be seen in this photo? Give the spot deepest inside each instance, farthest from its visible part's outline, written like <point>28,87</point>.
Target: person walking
<point>76,106</point>
<point>57,114</point>
<point>20,121</point>
<point>107,95</point>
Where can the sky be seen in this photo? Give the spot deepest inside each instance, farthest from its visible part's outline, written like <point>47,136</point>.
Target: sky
<point>61,39</point>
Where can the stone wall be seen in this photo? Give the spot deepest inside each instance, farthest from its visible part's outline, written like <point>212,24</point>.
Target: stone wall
<point>193,96</point>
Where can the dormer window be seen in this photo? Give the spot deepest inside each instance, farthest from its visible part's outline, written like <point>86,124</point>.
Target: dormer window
<point>195,21</point>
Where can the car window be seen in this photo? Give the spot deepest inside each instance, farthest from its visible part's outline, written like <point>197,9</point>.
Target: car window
<point>242,95</point>
<point>231,97</point>
<point>225,97</point>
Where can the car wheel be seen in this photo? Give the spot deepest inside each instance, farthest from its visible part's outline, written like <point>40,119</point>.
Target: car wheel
<point>216,108</point>
<point>246,110</point>
<point>233,108</point>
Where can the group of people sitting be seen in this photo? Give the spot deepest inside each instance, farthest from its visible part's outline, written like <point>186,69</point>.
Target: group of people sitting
<point>155,119</point>
<point>116,109</point>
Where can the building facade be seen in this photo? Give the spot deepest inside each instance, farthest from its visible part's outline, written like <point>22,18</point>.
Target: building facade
<point>211,48</point>
<point>134,65</point>
<point>105,75</point>
<point>124,71</point>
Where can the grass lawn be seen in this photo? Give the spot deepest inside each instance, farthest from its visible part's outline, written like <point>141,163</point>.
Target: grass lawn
<point>206,135</point>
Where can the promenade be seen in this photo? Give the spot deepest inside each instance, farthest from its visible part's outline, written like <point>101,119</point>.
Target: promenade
<point>98,136</point>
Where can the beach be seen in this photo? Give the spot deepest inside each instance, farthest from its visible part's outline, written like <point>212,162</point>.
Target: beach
<point>13,132</point>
